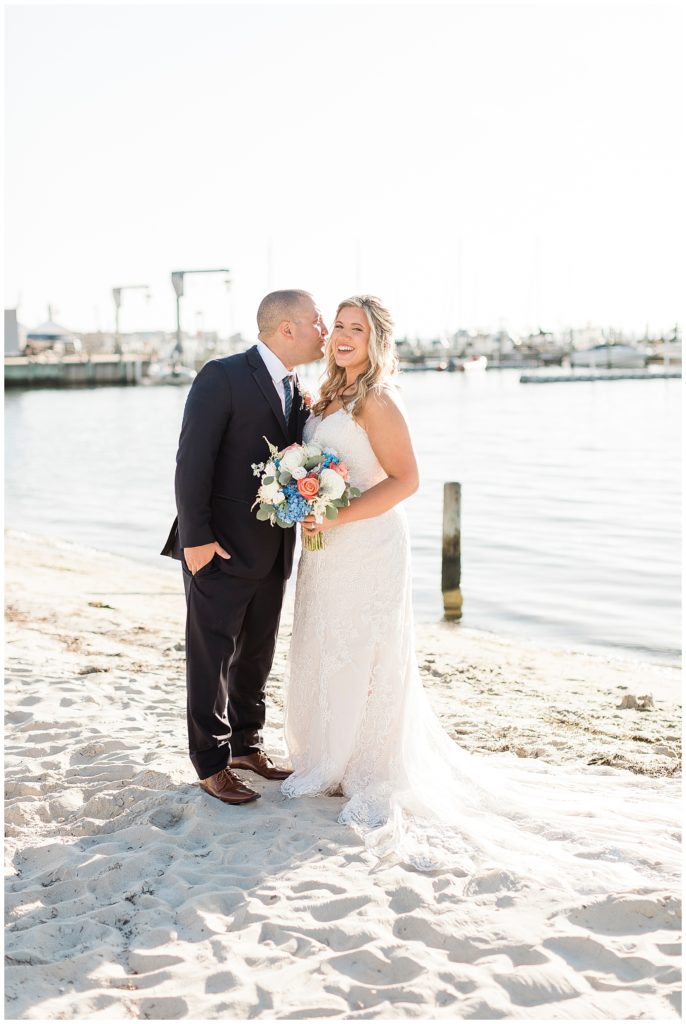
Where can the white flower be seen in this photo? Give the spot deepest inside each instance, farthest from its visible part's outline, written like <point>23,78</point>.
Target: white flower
<point>331,484</point>
<point>257,468</point>
<point>311,450</point>
<point>278,498</point>
<point>299,473</point>
<point>294,458</point>
<point>270,469</point>
<point>268,492</point>
<point>318,505</point>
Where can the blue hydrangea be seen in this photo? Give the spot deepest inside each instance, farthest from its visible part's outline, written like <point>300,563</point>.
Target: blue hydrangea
<point>297,508</point>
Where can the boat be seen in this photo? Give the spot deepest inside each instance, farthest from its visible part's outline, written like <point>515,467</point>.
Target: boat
<point>464,365</point>
<point>50,337</point>
<point>471,363</point>
<point>613,357</point>
<point>171,373</point>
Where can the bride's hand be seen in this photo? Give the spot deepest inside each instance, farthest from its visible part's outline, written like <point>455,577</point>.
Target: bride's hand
<point>311,527</point>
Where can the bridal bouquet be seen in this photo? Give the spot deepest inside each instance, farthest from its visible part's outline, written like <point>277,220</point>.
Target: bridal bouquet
<point>300,481</point>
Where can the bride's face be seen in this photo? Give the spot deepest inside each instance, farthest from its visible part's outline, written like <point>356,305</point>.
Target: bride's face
<point>350,339</point>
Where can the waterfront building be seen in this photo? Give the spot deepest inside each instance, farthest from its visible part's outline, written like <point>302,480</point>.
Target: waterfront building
<point>12,338</point>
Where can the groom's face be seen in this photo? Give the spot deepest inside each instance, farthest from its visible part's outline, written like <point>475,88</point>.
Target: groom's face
<point>309,333</point>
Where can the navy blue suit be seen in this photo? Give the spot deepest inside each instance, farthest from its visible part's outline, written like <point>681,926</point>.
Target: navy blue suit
<point>233,605</point>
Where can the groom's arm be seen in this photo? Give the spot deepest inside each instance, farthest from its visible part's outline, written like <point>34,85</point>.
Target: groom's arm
<point>205,419</point>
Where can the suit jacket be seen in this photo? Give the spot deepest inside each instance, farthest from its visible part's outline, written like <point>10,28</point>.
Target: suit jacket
<point>231,407</point>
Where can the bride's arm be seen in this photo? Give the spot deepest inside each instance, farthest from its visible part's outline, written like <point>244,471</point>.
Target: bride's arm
<point>383,419</point>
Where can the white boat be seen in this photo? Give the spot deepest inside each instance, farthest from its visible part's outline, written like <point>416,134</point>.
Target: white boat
<point>171,373</point>
<point>471,363</point>
<point>50,337</point>
<point>611,357</point>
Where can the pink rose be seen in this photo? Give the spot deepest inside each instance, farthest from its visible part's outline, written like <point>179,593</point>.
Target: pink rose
<point>308,487</point>
<point>341,469</point>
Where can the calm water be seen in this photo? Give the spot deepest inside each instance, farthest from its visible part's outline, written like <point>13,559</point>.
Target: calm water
<point>571,495</point>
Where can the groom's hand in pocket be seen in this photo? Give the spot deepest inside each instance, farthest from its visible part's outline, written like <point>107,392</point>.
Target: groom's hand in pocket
<point>201,555</point>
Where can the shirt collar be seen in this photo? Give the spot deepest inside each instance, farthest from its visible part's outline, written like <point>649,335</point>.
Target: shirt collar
<point>277,370</point>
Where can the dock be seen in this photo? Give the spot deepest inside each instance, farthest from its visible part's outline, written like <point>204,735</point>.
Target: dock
<point>566,378</point>
<point>74,371</point>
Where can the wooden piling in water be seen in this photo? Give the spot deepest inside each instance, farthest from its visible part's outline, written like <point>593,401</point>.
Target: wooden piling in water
<point>451,566</point>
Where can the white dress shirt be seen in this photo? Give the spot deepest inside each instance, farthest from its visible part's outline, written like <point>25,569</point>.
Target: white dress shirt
<point>277,371</point>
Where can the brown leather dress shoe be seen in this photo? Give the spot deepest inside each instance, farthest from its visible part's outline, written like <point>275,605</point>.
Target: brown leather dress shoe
<point>228,788</point>
<point>261,765</point>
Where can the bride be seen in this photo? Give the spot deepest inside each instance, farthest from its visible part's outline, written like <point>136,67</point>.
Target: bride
<point>358,722</point>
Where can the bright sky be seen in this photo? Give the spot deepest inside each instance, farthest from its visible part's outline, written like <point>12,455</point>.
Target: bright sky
<point>473,165</point>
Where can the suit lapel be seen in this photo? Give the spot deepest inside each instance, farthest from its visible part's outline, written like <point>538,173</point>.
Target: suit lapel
<point>266,386</point>
<point>302,412</point>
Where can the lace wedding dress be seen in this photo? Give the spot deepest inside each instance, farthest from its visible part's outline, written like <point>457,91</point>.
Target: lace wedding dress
<point>357,717</point>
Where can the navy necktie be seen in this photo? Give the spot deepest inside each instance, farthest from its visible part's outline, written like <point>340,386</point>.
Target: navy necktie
<point>288,395</point>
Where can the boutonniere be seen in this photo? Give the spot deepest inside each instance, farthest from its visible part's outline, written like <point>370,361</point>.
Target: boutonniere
<point>305,396</point>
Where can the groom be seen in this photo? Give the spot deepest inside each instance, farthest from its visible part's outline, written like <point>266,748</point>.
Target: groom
<point>234,567</point>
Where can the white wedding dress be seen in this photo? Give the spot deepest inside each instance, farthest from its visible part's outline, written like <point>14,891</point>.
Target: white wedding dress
<point>357,717</point>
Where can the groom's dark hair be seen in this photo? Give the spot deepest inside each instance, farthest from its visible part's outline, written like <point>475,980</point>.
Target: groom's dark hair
<point>278,306</point>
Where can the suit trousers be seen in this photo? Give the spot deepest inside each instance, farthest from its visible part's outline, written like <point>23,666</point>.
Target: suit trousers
<point>231,630</point>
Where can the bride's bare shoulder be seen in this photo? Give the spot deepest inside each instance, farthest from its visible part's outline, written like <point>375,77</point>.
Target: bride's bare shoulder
<point>383,402</point>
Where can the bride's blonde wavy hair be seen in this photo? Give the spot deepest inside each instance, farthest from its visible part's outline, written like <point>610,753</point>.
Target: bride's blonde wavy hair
<point>383,361</point>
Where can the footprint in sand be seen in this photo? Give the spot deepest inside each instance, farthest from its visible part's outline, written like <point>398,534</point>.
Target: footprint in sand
<point>37,726</point>
<point>537,986</point>
<point>491,882</point>
<point>146,963</point>
<point>313,887</point>
<point>670,948</point>
<point>98,747</point>
<point>412,928</point>
<point>521,955</point>
<point>166,818</point>
<point>160,1008</point>
<point>59,941</point>
<point>460,984</point>
<point>368,968</point>
<point>18,717</point>
<point>18,788</point>
<point>583,953</point>
<point>315,1012</point>
<point>360,998</point>
<point>222,981</point>
<point>336,910</point>
<point>627,915</point>
<point>289,942</point>
<point>405,900</point>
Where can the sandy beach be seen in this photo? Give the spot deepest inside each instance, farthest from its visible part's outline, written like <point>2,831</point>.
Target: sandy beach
<point>132,894</point>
